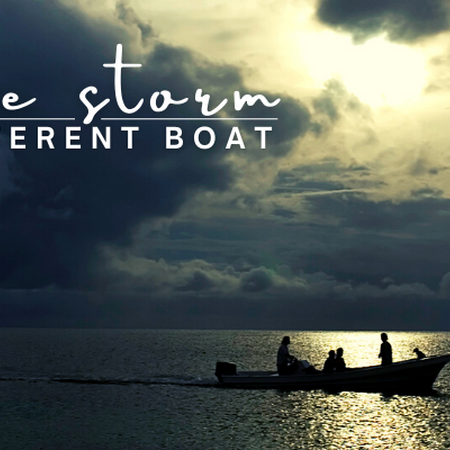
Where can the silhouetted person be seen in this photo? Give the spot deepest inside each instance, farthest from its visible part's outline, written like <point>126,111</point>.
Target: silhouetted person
<point>339,363</point>
<point>385,351</point>
<point>418,353</point>
<point>286,363</point>
<point>330,363</point>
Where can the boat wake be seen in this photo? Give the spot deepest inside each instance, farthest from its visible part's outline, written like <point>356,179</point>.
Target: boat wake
<point>152,380</point>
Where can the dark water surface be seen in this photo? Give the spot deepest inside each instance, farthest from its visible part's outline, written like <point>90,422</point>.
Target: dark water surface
<point>146,389</point>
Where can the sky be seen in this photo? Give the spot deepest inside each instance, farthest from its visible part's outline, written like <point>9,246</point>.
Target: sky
<point>340,220</point>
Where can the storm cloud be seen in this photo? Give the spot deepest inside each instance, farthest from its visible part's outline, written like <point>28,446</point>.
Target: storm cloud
<point>401,20</point>
<point>59,205</point>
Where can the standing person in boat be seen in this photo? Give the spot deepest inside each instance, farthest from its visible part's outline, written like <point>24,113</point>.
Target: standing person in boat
<point>286,363</point>
<point>385,351</point>
<point>330,363</point>
<point>418,353</point>
<point>339,362</point>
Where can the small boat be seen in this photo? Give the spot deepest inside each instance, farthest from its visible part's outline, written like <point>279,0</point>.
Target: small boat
<point>415,375</point>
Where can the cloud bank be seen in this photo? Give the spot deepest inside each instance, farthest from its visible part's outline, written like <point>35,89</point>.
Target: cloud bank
<point>401,20</point>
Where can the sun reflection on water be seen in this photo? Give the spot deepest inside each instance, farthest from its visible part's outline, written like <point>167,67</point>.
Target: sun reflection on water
<point>346,420</point>
<point>361,421</point>
<point>357,420</point>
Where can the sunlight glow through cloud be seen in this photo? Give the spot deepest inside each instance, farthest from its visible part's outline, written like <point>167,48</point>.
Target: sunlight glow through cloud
<point>378,72</point>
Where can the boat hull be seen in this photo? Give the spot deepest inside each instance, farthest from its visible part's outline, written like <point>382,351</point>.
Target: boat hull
<point>404,376</point>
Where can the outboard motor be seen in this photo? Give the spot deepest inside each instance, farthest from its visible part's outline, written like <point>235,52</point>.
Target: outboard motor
<point>225,368</point>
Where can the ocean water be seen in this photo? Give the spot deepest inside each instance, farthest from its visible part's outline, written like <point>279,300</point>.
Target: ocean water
<point>71,389</point>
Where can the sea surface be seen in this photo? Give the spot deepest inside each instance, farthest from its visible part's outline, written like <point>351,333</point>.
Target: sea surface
<point>66,389</point>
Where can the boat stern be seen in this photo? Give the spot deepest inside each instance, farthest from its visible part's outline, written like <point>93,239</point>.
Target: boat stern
<point>224,368</point>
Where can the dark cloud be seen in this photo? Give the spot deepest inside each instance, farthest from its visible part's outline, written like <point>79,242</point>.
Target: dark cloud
<point>199,281</point>
<point>427,192</point>
<point>296,181</point>
<point>58,206</point>
<point>283,212</point>
<point>48,237</point>
<point>6,169</point>
<point>256,280</point>
<point>328,176</point>
<point>444,286</point>
<point>401,20</point>
<point>326,105</point>
<point>367,241</point>
<point>335,102</point>
<point>438,74</point>
<point>356,211</point>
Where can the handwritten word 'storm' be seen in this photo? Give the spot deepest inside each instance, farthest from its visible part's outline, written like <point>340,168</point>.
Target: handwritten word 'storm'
<point>167,100</point>
<point>159,100</point>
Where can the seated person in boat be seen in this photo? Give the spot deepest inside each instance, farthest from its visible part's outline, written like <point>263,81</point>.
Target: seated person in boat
<point>330,363</point>
<point>339,363</point>
<point>286,363</point>
<point>385,351</point>
<point>418,353</point>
